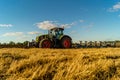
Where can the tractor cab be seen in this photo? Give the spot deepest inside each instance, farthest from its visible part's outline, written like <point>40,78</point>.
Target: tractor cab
<point>56,32</point>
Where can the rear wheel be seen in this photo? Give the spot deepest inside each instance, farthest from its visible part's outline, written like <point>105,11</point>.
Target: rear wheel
<point>66,42</point>
<point>45,44</point>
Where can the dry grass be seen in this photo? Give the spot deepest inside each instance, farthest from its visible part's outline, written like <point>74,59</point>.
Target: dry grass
<point>60,64</point>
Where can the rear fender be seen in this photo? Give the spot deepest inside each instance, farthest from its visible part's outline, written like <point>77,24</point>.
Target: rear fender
<point>64,36</point>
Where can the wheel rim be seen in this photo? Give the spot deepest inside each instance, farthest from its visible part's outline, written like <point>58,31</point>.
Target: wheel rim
<point>46,44</point>
<point>67,43</point>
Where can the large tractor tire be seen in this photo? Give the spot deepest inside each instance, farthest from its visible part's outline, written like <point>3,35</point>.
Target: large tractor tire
<point>66,42</point>
<point>45,43</point>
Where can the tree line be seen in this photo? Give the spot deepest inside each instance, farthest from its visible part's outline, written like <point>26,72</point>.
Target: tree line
<point>12,44</point>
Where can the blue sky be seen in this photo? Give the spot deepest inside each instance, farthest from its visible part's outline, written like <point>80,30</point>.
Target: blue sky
<point>95,20</point>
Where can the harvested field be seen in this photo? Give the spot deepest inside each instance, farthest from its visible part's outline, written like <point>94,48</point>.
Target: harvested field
<point>60,64</point>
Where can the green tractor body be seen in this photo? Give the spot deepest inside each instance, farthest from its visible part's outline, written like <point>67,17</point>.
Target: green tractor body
<point>54,39</point>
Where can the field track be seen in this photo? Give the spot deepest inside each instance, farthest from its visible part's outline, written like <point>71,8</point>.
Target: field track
<point>60,64</point>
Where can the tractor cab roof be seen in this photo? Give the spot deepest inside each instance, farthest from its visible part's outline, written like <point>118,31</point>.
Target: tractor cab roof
<point>56,28</point>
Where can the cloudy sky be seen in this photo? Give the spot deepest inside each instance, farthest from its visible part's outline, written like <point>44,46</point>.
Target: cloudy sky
<point>95,20</point>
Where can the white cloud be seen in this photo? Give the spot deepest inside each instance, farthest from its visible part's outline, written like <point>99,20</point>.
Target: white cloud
<point>81,21</point>
<point>67,25</point>
<point>13,34</point>
<point>115,7</point>
<point>6,25</point>
<point>33,32</point>
<point>88,27</point>
<point>73,32</point>
<point>45,25</point>
<point>24,38</point>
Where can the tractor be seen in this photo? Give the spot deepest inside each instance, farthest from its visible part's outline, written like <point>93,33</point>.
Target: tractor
<point>54,39</point>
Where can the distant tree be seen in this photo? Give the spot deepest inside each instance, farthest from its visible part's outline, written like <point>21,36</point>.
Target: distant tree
<point>0,45</point>
<point>25,42</point>
<point>3,45</point>
<point>19,45</point>
<point>11,44</point>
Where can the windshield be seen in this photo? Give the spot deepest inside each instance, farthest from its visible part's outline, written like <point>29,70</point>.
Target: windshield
<point>57,33</point>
